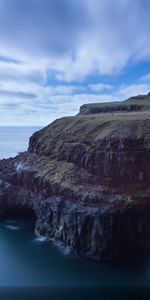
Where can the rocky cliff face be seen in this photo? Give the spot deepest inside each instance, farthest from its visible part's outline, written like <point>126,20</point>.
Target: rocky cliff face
<point>114,148</point>
<point>133,104</point>
<point>87,180</point>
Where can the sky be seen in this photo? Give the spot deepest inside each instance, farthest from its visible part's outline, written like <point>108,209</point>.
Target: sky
<point>56,55</point>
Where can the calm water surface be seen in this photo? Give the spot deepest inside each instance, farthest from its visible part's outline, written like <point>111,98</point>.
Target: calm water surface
<point>27,261</point>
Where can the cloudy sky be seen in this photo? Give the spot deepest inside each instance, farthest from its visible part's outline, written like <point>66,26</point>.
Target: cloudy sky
<point>58,54</point>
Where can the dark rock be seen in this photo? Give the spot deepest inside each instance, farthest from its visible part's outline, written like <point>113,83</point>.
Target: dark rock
<point>133,104</point>
<point>87,180</point>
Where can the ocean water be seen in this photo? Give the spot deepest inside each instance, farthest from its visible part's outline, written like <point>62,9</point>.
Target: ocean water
<point>26,261</point>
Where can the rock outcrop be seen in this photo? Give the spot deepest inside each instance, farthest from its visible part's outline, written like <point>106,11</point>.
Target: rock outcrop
<point>87,180</point>
<point>137,103</point>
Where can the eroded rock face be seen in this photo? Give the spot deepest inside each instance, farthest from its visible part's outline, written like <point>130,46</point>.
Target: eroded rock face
<point>85,109</point>
<point>115,151</point>
<point>87,180</point>
<point>111,228</point>
<point>133,104</point>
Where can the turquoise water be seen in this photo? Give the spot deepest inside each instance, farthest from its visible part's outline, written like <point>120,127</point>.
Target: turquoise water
<point>27,261</point>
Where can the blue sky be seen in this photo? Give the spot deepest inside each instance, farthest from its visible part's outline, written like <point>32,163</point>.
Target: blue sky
<point>56,55</point>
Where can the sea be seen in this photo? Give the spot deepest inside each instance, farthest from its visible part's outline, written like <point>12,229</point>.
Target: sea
<point>27,261</point>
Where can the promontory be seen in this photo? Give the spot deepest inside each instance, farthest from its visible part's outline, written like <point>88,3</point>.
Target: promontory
<point>87,180</point>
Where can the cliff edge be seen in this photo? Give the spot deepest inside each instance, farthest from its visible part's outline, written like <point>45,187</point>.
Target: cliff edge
<point>87,180</point>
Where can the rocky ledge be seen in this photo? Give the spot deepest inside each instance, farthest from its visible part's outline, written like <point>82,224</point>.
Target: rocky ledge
<point>87,180</point>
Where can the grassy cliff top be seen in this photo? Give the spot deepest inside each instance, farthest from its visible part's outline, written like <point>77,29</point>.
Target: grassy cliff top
<point>136,103</point>
<point>89,129</point>
<point>103,145</point>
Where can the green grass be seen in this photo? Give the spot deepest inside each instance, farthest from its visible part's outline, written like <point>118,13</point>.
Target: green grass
<point>141,100</point>
<point>80,135</point>
<point>88,129</point>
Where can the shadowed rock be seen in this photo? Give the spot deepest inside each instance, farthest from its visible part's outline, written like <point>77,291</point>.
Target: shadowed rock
<point>87,180</point>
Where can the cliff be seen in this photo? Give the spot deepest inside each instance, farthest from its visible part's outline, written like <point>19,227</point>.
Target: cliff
<point>87,180</point>
<point>136,103</point>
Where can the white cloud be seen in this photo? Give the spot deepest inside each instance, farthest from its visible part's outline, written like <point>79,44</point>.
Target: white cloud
<point>126,91</point>
<point>70,40</point>
<point>99,87</point>
<point>21,71</point>
<point>26,100</point>
<point>103,36</point>
<point>146,77</point>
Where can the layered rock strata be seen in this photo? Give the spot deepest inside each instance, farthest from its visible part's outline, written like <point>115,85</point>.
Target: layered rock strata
<point>87,180</point>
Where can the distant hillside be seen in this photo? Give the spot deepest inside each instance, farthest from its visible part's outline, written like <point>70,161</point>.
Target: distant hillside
<point>136,103</point>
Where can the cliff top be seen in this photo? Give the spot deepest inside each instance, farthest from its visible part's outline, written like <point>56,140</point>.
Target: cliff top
<point>135,103</point>
<point>90,127</point>
<point>100,158</point>
<point>111,147</point>
<point>87,130</point>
